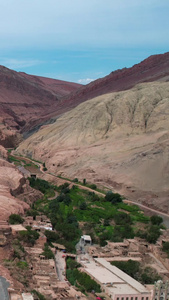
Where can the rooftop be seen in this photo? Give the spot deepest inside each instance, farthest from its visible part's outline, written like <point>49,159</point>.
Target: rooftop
<point>27,296</point>
<point>86,237</point>
<point>103,275</point>
<point>122,289</point>
<point>18,227</point>
<point>123,276</point>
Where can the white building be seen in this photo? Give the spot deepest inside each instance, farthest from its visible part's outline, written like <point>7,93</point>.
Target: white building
<point>115,283</point>
<point>161,290</point>
<point>86,239</point>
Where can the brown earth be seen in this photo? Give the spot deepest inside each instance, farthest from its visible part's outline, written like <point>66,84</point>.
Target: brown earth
<point>26,99</point>
<point>10,181</point>
<point>119,140</point>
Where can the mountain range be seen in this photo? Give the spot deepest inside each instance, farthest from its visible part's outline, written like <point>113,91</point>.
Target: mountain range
<point>113,132</point>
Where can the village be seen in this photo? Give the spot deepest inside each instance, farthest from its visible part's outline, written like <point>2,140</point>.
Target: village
<point>49,275</point>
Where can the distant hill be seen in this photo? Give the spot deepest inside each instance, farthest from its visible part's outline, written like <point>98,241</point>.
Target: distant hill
<point>28,102</point>
<point>25,97</point>
<point>155,67</point>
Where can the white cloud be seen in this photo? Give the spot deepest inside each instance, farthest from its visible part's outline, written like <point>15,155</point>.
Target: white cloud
<point>18,64</point>
<point>85,81</point>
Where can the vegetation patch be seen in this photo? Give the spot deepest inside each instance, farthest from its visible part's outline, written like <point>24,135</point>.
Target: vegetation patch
<point>80,279</point>
<point>134,269</point>
<point>15,219</point>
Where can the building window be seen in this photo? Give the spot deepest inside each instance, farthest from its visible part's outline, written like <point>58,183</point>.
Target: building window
<point>146,298</point>
<point>131,298</point>
<point>122,298</point>
<point>127,298</point>
<point>142,298</point>
<point>117,298</point>
<point>136,298</point>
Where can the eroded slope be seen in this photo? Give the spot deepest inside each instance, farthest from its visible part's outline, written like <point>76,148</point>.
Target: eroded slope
<point>119,139</point>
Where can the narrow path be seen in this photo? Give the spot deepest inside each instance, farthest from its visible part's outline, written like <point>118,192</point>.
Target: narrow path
<point>147,207</point>
<point>60,265</point>
<point>162,214</point>
<point>56,194</point>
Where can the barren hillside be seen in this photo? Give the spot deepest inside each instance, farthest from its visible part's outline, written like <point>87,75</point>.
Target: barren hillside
<point>120,140</point>
<point>26,100</point>
<point>10,181</point>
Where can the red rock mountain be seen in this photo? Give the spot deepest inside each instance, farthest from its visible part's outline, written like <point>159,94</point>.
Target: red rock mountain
<point>154,68</point>
<point>25,98</point>
<point>28,101</point>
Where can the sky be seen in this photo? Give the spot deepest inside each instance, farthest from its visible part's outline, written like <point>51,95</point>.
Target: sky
<point>81,40</point>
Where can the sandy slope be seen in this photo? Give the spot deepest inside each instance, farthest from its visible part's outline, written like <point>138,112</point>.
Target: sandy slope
<point>119,139</point>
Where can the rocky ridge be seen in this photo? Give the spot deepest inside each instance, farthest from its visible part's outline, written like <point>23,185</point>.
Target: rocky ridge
<point>154,68</point>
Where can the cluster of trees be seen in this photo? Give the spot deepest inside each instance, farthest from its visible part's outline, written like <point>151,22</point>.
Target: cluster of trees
<point>114,198</point>
<point>153,230</point>
<point>63,220</point>
<point>40,184</point>
<point>74,205</point>
<point>30,236</point>
<point>133,268</point>
<point>80,279</point>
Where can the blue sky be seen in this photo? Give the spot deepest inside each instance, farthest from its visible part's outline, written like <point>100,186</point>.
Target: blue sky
<point>79,40</point>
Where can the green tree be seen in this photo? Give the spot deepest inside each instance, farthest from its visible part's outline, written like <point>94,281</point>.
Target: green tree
<point>15,219</point>
<point>156,220</point>
<point>83,206</point>
<point>113,197</point>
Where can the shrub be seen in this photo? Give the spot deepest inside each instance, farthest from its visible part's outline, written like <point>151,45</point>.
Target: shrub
<point>51,236</point>
<point>22,265</point>
<point>165,248</point>
<point>156,220</point>
<point>47,252</point>
<point>83,206</point>
<point>29,236</point>
<point>93,186</point>
<point>75,180</point>
<point>113,197</point>
<point>121,218</point>
<point>153,234</point>
<point>15,219</point>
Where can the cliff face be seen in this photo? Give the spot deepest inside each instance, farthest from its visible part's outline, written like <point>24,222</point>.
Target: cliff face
<point>10,180</point>
<point>119,139</point>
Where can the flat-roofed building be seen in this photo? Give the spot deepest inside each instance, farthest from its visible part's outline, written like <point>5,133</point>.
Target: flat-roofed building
<point>86,239</point>
<point>27,296</point>
<point>114,282</point>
